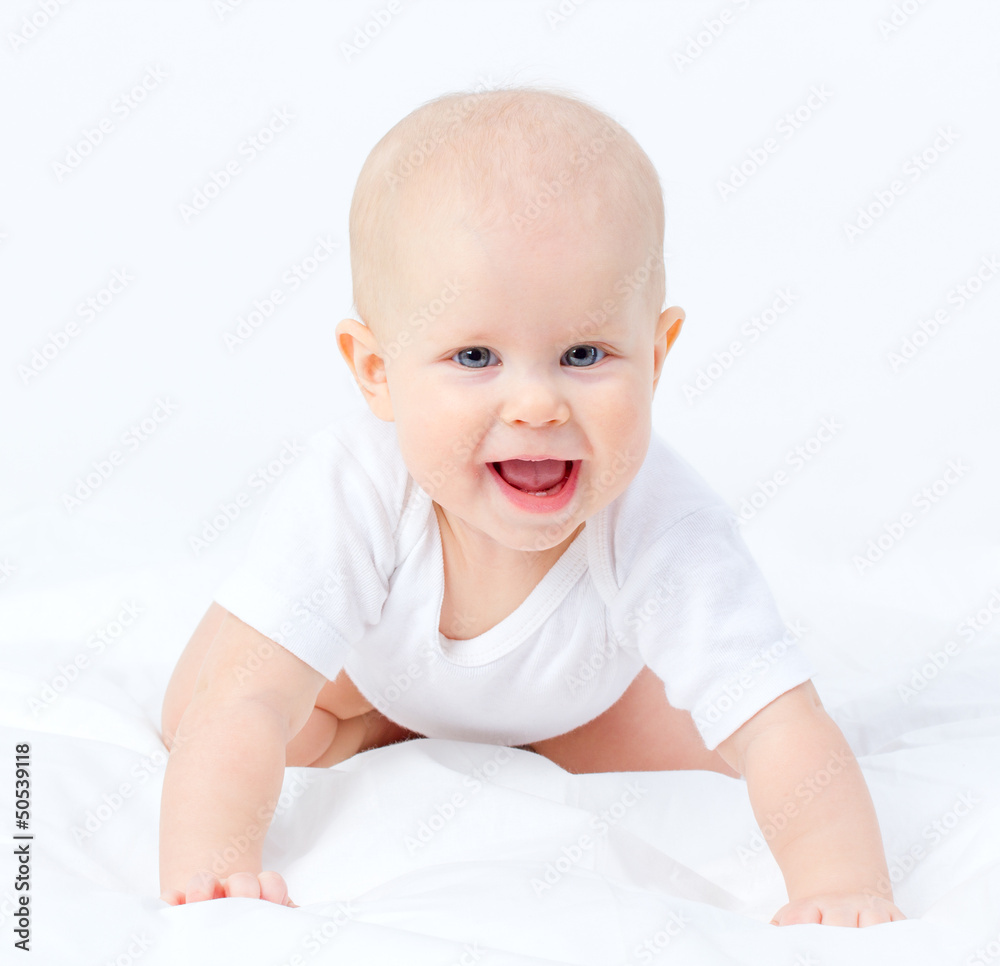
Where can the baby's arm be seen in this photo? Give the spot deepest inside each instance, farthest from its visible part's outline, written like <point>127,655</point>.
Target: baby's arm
<point>805,784</point>
<point>226,765</point>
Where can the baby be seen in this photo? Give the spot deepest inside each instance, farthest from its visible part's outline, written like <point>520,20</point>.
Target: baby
<point>494,545</point>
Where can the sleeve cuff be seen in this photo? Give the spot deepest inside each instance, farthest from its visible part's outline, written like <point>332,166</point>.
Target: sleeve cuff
<point>765,678</point>
<point>288,623</point>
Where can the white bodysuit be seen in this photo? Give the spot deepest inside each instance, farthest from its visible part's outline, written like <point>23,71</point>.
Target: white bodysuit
<point>345,570</point>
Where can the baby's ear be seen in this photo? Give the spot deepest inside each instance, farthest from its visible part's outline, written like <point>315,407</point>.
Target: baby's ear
<point>668,327</point>
<point>670,323</point>
<point>359,347</point>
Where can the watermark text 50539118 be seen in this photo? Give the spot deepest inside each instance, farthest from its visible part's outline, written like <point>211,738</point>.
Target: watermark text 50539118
<point>22,845</point>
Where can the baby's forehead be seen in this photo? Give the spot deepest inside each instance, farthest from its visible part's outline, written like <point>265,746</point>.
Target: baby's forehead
<point>516,163</point>
<point>529,209</point>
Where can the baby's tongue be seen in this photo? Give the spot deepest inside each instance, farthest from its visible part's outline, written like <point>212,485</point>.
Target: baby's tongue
<point>532,475</point>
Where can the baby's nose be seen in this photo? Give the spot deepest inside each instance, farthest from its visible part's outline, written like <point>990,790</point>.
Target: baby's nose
<point>535,402</point>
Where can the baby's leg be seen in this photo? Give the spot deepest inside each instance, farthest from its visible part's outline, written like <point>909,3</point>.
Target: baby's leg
<point>342,723</point>
<point>640,732</point>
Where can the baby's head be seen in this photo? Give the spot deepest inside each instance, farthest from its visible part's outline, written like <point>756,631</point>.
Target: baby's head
<point>507,263</point>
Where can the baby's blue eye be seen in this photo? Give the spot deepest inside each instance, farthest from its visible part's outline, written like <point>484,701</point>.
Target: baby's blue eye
<point>478,355</point>
<point>580,356</point>
<point>587,356</point>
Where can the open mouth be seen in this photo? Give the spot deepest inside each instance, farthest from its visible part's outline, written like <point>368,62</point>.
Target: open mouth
<point>537,486</point>
<point>535,477</point>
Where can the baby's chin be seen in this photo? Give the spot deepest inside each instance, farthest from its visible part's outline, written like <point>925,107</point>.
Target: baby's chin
<point>538,537</point>
<point>528,538</point>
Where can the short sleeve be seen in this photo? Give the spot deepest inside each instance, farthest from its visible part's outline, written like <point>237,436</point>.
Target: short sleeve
<point>318,567</point>
<point>697,606</point>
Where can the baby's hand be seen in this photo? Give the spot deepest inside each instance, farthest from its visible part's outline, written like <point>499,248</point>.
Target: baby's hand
<point>240,885</point>
<point>838,909</point>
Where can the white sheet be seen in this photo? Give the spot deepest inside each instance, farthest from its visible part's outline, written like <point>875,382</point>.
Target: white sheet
<point>220,71</point>
<point>374,856</point>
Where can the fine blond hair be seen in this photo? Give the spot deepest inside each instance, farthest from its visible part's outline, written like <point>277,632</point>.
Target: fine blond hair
<point>513,156</point>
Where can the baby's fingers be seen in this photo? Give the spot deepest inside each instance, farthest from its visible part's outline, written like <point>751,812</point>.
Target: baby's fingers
<point>799,913</point>
<point>878,911</point>
<point>243,885</point>
<point>274,889</point>
<point>202,886</point>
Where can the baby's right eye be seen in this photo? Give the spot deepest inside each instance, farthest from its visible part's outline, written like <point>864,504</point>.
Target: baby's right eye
<point>478,355</point>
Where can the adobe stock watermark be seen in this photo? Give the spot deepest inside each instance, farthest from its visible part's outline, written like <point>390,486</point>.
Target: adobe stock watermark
<point>30,27</point>
<point>608,649</point>
<point>304,609</point>
<point>88,309</point>
<point>138,945</point>
<point>547,193</point>
<point>986,954</point>
<point>804,794</point>
<point>419,320</point>
<point>266,306</point>
<point>930,327</point>
<point>798,457</point>
<point>593,490</point>
<point>578,851</point>
<point>316,939</point>
<point>97,816</point>
<point>229,511</point>
<point>370,29</point>
<point>403,678</point>
<point>221,179</point>
<point>7,570</point>
<point>558,15</point>
<point>422,150</point>
<point>732,692</point>
<point>102,469</point>
<point>915,167</point>
<point>664,587</point>
<point>937,660</point>
<point>241,843</point>
<point>626,288</point>
<point>226,8</point>
<point>923,500</point>
<point>933,833</point>
<point>69,673</point>
<point>899,16</point>
<point>712,29</point>
<point>653,945</point>
<point>471,954</point>
<point>461,449</point>
<point>790,123</point>
<point>722,361</point>
<point>121,109</point>
<point>444,812</point>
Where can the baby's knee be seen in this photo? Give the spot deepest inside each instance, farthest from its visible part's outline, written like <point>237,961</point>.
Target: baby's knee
<point>322,741</point>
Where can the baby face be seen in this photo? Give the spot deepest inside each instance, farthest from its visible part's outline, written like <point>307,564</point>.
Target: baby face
<point>522,366</point>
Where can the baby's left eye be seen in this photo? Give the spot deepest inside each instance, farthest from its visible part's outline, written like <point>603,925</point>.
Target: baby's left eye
<point>581,356</point>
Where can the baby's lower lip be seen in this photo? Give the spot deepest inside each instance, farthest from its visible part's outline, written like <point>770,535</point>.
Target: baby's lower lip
<point>539,504</point>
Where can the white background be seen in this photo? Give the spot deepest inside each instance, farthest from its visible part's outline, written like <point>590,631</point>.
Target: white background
<point>891,90</point>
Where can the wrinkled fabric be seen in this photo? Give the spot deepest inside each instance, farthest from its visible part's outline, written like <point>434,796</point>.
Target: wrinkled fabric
<point>438,851</point>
